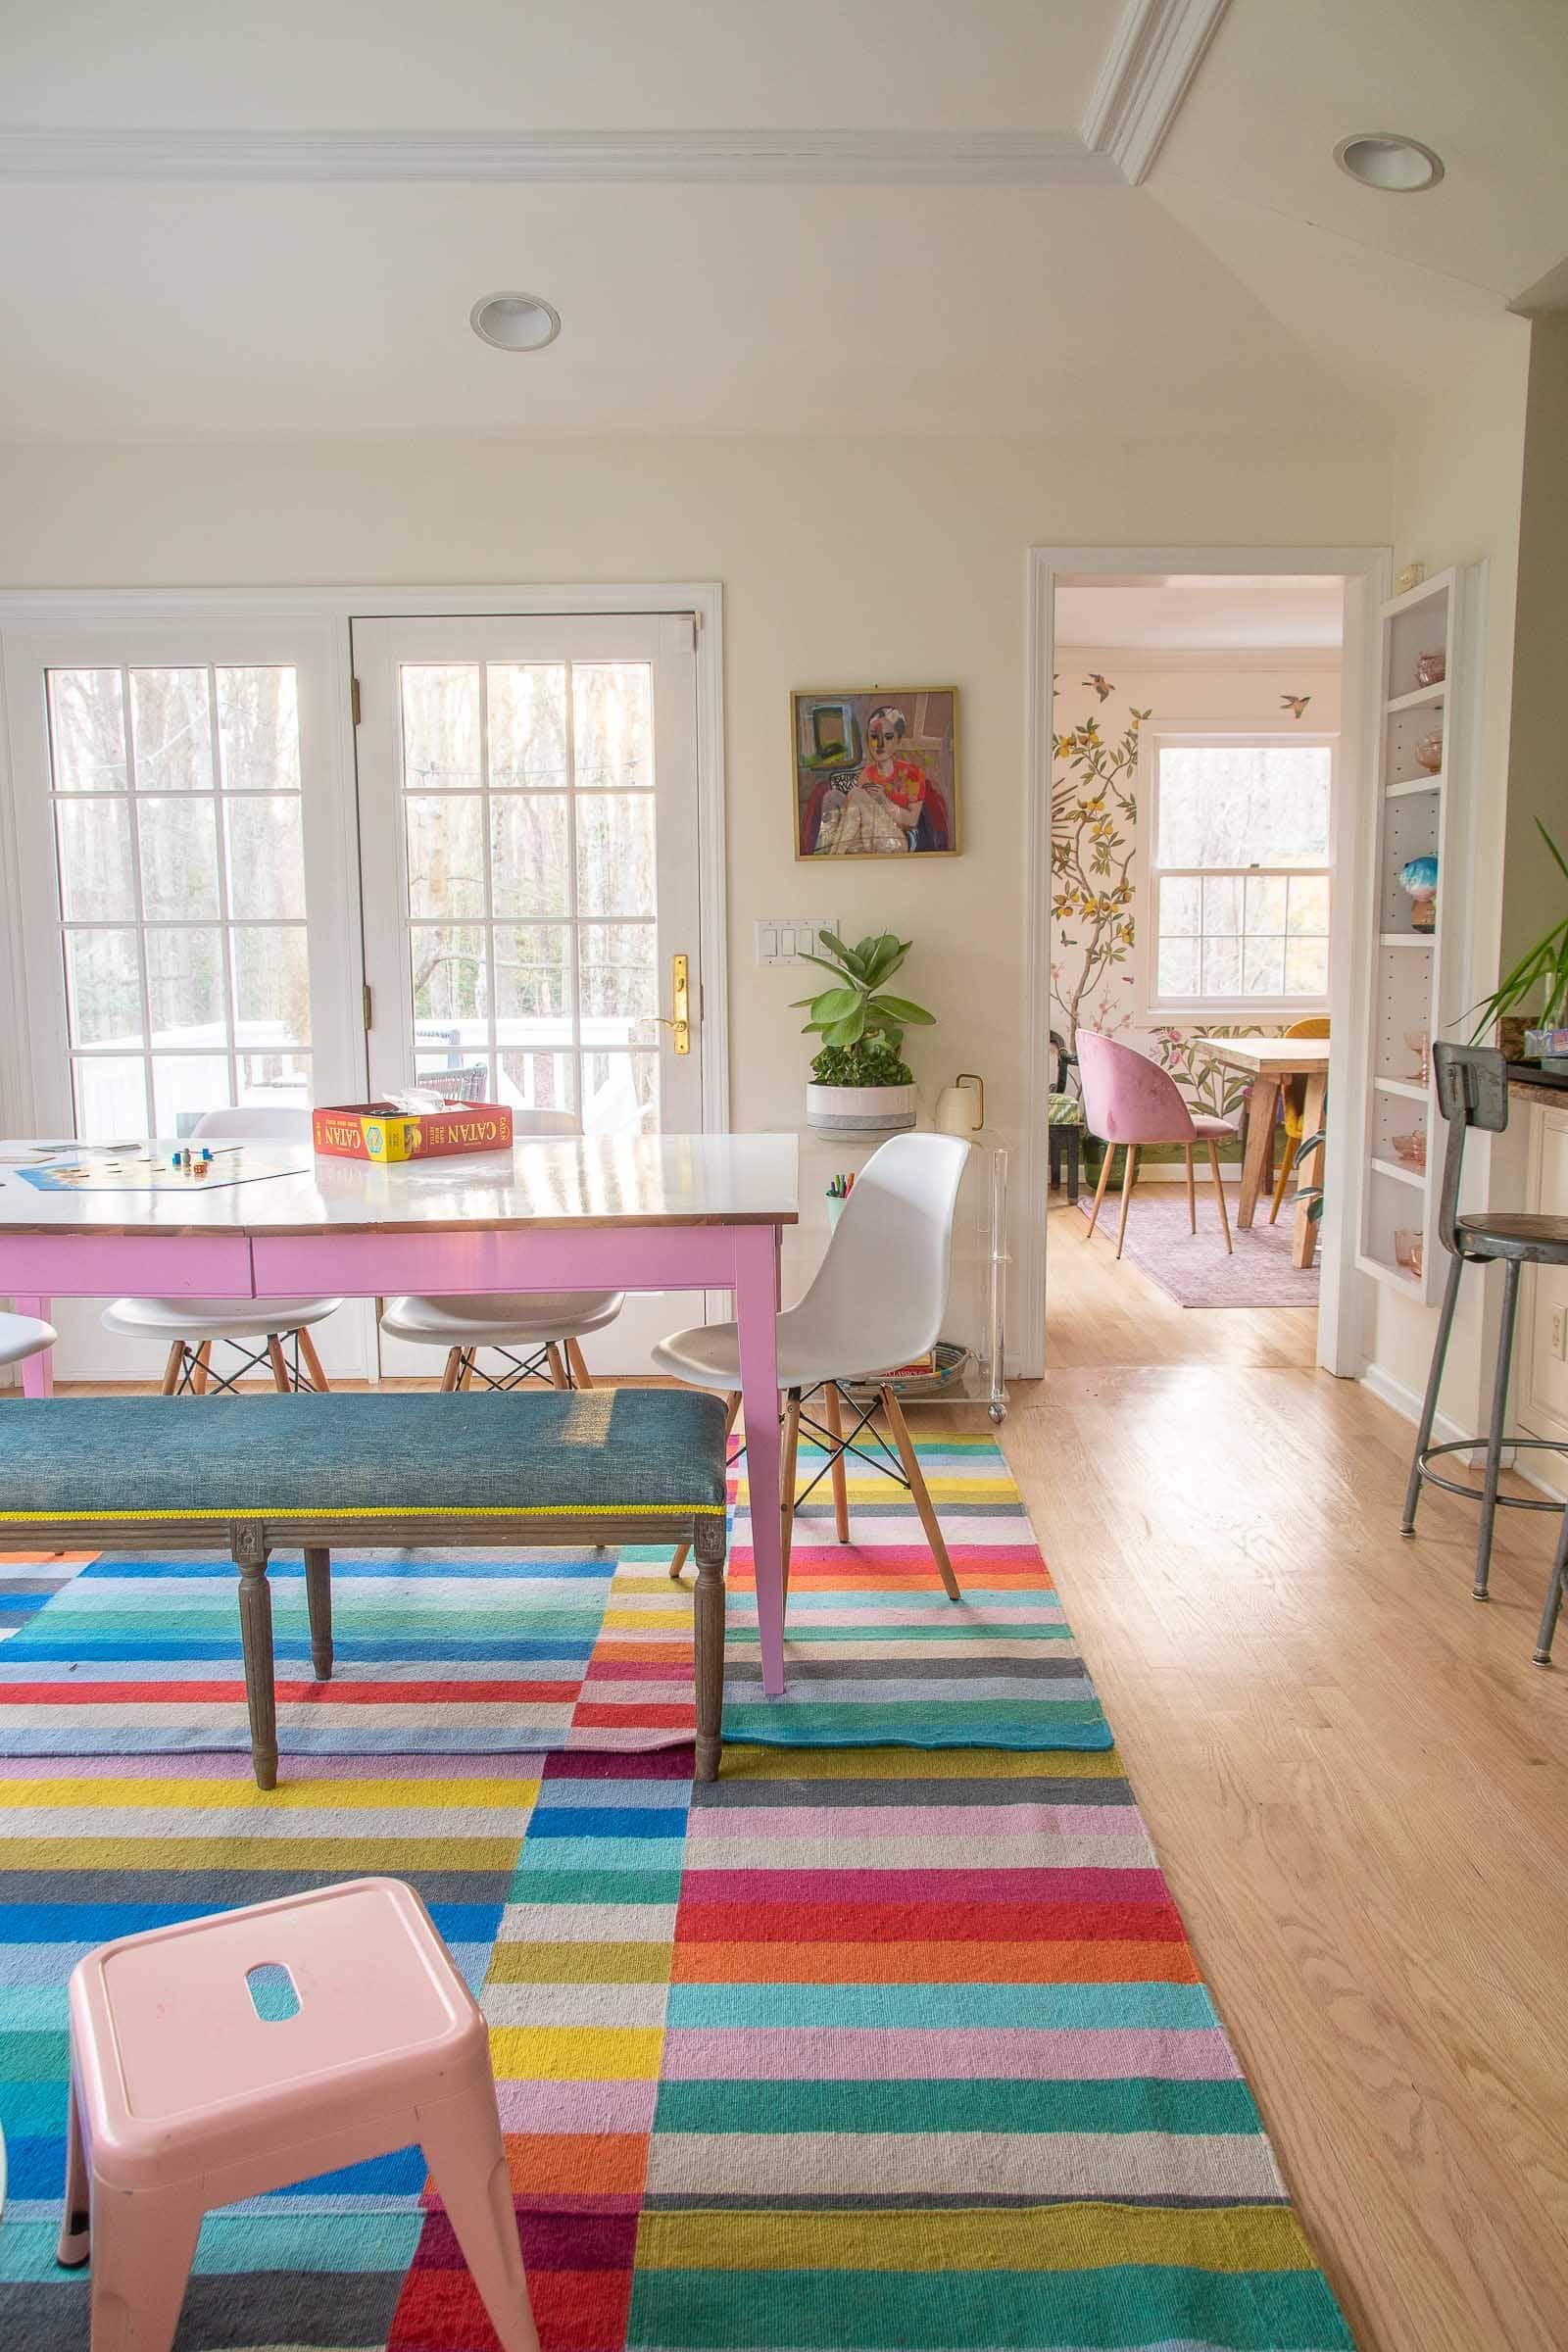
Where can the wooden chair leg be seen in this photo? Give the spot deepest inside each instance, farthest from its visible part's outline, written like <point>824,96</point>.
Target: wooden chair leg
<point>1192,1199</point>
<point>580,1373</point>
<point>174,1368</point>
<point>731,1415</point>
<point>1287,1163</point>
<point>841,1484</point>
<point>558,1370</point>
<point>313,1363</point>
<point>787,1454</point>
<point>453,1372</point>
<point>203,1373</point>
<point>256,1643</point>
<point>919,1489</point>
<point>708,1642</point>
<point>1099,1189</point>
<point>318,1604</point>
<point>274,1357</point>
<point>1219,1195</point>
<point>1129,1177</point>
<point>470,1357</point>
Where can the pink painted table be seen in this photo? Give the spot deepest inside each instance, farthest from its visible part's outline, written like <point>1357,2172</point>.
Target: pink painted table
<point>653,1213</point>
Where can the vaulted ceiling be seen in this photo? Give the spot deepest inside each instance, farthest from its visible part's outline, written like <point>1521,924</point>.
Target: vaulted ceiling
<point>1020,217</point>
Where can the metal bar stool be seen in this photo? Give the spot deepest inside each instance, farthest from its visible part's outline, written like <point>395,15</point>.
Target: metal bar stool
<point>1473,1092</point>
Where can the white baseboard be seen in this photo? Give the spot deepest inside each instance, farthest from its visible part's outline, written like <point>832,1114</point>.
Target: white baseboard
<point>1407,1405</point>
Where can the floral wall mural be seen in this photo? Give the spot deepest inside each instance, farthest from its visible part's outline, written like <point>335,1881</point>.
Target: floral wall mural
<point>1099,714</point>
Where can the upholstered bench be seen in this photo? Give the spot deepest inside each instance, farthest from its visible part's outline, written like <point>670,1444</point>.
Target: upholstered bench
<point>262,1474</point>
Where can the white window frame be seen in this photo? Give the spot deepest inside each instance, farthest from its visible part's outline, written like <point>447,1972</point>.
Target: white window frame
<point>1154,1009</point>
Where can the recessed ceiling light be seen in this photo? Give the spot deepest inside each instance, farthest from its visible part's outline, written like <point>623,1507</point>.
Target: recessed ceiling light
<point>1387,161</point>
<point>515,321</point>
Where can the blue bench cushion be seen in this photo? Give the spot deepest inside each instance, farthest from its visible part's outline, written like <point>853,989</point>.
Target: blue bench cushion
<point>627,1451</point>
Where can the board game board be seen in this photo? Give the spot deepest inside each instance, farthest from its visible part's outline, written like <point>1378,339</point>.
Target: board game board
<point>133,1169</point>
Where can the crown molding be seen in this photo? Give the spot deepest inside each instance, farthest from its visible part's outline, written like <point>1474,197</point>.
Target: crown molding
<point>1153,54</point>
<point>765,158</point>
<point>1316,661</point>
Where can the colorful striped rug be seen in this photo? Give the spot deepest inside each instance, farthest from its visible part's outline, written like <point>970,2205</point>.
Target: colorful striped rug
<point>483,1652</point>
<point>847,2053</point>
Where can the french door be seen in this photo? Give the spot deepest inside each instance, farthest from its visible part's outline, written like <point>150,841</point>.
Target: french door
<point>529,826</point>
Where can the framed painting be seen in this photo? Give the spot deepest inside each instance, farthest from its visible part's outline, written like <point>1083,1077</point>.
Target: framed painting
<point>876,771</point>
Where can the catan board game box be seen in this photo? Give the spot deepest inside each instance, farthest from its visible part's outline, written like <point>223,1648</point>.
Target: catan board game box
<point>383,1132</point>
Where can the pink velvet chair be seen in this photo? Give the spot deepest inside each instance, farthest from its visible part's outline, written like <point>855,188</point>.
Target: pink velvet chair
<point>1129,1099</point>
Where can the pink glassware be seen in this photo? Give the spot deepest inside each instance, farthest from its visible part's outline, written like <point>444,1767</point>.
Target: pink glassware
<point>1431,670</point>
<point>1429,752</point>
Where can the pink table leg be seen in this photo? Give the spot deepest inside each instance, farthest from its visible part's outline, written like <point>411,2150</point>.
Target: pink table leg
<point>37,1371</point>
<point>756,1313</point>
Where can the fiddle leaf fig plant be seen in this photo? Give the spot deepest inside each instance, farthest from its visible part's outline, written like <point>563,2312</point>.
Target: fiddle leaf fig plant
<point>861,1025</point>
<point>1543,969</point>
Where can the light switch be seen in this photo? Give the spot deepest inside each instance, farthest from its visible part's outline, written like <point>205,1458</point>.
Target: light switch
<point>789,938</point>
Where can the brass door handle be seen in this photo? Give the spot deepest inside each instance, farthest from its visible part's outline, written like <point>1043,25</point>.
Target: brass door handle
<point>680,997</point>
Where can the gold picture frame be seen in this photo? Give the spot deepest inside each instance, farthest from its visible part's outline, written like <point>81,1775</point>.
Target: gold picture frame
<point>874,771</point>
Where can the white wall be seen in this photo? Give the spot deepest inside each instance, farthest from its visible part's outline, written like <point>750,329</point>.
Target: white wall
<point>854,562</point>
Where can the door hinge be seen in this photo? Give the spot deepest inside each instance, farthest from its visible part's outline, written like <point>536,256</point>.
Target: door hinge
<point>365,1006</point>
<point>354,703</point>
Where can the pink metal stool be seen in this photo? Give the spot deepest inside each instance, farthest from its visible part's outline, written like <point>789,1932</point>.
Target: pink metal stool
<point>185,2095</point>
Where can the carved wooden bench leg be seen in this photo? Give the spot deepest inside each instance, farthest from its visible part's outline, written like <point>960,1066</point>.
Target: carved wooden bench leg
<point>318,1602</point>
<point>249,1545</point>
<point>708,1627</point>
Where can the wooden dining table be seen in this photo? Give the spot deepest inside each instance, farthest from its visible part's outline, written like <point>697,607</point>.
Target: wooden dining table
<point>1267,1062</point>
<point>646,1212</point>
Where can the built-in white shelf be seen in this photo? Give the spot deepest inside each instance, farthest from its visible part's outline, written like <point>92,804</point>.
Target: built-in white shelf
<point>1401,791</point>
<point>1408,1086</point>
<point>1400,1174</point>
<point>1406,938</point>
<point>1421,696</point>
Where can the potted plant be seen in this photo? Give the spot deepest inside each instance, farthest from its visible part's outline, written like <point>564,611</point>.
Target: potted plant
<point>1544,969</point>
<point>861,1083</point>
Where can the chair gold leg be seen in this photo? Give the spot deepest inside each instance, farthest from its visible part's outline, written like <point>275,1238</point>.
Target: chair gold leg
<point>313,1363</point>
<point>1219,1195</point>
<point>1287,1163</point>
<point>174,1368</point>
<point>579,1370</point>
<point>786,1483</point>
<point>558,1370</point>
<point>1191,1197</point>
<point>204,1367</point>
<point>1100,1190</point>
<point>453,1372</point>
<point>841,1484</point>
<point>1129,1177</point>
<point>919,1489</point>
<point>731,1415</point>
<point>274,1357</point>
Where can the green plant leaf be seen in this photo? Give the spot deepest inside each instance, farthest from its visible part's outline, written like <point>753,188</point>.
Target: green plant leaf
<point>847,1032</point>
<point>824,966</point>
<point>902,1010</point>
<point>852,959</point>
<point>1562,862</point>
<point>834,1003</point>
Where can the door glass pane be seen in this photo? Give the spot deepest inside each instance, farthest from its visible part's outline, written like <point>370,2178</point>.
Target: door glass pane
<point>527,726</point>
<point>441,728</point>
<point>171,730</point>
<point>103,987</point>
<point>87,730</point>
<point>446,855</point>
<point>616,869</point>
<point>530,873</point>
<point>612,724</point>
<point>537,1081</point>
<point>272,986</point>
<point>451,986</point>
<point>266,841</point>
<point>179,843</point>
<point>533,985</point>
<point>186,986</point>
<point>97,879</point>
<point>258,729</point>
<point>185,1086</point>
<point>110,1097</point>
<point>280,1078</point>
<point>620,1093</point>
<point>619,982</point>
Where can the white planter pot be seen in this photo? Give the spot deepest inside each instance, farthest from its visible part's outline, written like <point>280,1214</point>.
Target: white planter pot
<point>860,1110</point>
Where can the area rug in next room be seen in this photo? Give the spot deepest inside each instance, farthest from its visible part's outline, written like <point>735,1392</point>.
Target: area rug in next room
<point>473,1652</point>
<point>1192,1267</point>
<point>852,2051</point>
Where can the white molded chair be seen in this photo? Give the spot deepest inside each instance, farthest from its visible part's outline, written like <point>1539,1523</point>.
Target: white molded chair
<point>192,1327</point>
<point>537,1331</point>
<point>23,1335</point>
<point>877,1300</point>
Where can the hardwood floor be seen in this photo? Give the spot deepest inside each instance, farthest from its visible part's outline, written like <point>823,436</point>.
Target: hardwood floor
<point>1355,1779</point>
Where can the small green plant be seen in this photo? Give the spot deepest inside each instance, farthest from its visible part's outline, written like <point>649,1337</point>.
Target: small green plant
<point>860,1026</point>
<point>1543,967</point>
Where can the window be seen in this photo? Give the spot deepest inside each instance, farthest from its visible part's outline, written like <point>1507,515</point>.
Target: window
<point>1234,913</point>
<point>175,806</point>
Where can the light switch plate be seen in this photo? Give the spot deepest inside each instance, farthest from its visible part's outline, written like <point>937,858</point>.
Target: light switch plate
<point>789,938</point>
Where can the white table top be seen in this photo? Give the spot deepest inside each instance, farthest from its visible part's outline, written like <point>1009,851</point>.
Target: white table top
<point>1270,1056</point>
<point>274,1189</point>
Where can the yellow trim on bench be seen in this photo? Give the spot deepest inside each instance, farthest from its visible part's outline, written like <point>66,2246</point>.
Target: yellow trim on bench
<point>389,1510</point>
